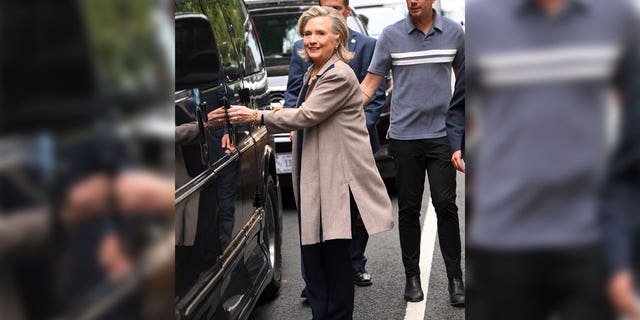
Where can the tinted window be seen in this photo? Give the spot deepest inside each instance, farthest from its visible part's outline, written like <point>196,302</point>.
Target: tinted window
<point>197,57</point>
<point>278,33</point>
<point>38,51</point>
<point>226,46</point>
<point>237,16</point>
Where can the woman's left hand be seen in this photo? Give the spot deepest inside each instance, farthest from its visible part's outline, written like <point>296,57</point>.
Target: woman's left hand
<point>237,114</point>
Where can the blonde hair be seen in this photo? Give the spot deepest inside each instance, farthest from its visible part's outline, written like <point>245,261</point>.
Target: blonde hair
<point>338,26</point>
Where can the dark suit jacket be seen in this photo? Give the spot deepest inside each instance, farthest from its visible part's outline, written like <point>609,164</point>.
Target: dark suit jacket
<point>455,115</point>
<point>621,192</point>
<point>363,47</point>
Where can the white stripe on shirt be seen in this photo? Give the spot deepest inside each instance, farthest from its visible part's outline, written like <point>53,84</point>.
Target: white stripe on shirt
<point>548,74</point>
<point>567,63</point>
<point>424,53</point>
<point>557,55</point>
<point>422,61</point>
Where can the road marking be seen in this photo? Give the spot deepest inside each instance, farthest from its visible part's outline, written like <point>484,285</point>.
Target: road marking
<point>415,310</point>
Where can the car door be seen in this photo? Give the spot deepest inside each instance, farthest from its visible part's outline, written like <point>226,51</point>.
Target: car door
<point>258,145</point>
<point>222,268</point>
<point>251,142</point>
<point>209,212</point>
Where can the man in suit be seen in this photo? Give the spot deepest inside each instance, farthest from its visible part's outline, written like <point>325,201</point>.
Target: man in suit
<point>620,211</point>
<point>363,47</point>
<point>455,122</point>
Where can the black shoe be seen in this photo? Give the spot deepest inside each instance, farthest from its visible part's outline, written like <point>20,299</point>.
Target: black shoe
<point>362,278</point>
<point>413,289</point>
<point>303,295</point>
<point>456,292</point>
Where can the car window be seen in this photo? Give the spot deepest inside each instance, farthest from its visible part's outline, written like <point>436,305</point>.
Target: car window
<point>197,57</point>
<point>253,59</point>
<point>225,43</point>
<point>379,17</point>
<point>278,33</point>
<point>242,35</point>
<point>353,24</point>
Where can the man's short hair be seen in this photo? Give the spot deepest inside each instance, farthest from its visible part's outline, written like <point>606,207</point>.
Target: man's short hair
<point>344,2</point>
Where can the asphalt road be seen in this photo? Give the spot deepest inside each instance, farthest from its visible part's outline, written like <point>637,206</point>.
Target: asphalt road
<point>383,299</point>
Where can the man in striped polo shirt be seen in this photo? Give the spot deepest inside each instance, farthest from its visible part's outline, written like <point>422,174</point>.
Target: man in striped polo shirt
<point>542,74</point>
<point>421,51</point>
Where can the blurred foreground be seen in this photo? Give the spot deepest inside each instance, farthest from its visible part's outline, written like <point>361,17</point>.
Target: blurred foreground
<point>86,168</point>
<point>554,159</point>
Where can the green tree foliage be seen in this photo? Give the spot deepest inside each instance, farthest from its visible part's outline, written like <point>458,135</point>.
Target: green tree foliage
<point>122,38</point>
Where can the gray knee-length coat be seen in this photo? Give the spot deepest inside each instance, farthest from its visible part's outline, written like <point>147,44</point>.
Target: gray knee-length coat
<point>336,156</point>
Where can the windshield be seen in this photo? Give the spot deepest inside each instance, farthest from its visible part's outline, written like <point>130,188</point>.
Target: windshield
<point>381,16</point>
<point>277,33</point>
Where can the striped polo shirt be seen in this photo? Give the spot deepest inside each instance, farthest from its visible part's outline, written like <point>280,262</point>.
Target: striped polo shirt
<point>421,68</point>
<point>540,84</point>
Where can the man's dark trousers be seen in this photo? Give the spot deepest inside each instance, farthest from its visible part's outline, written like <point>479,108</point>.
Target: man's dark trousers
<point>412,158</point>
<point>529,284</point>
<point>359,238</point>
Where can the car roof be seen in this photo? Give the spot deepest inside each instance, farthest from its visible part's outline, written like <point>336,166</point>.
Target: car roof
<point>279,3</point>
<point>264,7</point>
<point>253,2</point>
<point>373,3</point>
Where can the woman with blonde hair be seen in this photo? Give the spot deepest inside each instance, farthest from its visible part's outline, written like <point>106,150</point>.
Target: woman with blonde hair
<point>332,161</point>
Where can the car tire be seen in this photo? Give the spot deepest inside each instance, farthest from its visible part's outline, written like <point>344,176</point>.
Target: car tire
<point>272,239</point>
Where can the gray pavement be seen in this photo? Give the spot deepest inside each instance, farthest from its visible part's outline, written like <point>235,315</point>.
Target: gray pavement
<point>383,299</point>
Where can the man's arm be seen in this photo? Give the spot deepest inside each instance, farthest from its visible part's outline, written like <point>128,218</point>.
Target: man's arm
<point>363,55</point>
<point>455,114</point>
<point>378,68</point>
<point>622,189</point>
<point>369,86</point>
<point>374,108</point>
<point>27,229</point>
<point>296,73</point>
<point>372,112</point>
<point>455,121</point>
<point>620,198</point>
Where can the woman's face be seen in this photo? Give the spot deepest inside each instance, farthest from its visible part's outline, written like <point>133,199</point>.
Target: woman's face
<point>319,40</point>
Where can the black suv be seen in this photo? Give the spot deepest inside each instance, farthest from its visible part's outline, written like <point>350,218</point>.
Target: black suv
<point>228,208</point>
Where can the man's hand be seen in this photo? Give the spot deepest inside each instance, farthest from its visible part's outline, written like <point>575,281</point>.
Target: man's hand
<point>143,192</point>
<point>132,191</point>
<point>369,86</point>
<point>113,258</point>
<point>226,145</point>
<point>236,114</point>
<point>622,294</point>
<point>456,159</point>
<point>88,198</point>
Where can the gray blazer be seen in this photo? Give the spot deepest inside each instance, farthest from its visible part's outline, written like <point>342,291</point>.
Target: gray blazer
<point>336,157</point>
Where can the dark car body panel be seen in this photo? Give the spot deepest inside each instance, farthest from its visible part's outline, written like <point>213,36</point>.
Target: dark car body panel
<point>233,194</point>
